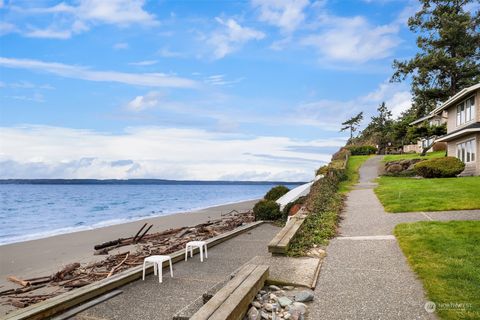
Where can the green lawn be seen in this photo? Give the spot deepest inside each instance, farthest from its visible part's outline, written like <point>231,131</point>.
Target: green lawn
<point>410,194</point>
<point>445,255</point>
<point>430,155</point>
<point>353,165</point>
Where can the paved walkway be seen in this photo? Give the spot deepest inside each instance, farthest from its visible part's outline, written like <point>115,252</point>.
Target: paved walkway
<point>365,275</point>
<point>151,300</point>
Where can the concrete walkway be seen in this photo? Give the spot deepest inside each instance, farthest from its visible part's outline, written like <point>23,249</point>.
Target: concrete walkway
<point>152,300</point>
<point>365,275</point>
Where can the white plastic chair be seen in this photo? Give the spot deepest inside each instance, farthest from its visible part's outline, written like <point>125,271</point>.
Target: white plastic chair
<point>157,265</point>
<point>196,244</point>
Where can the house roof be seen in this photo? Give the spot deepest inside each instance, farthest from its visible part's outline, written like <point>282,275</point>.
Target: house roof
<point>428,116</point>
<point>460,95</point>
<point>474,127</point>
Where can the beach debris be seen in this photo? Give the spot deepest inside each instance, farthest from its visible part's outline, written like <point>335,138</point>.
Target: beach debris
<point>76,275</point>
<point>66,272</point>
<point>21,282</point>
<point>117,266</point>
<point>104,248</point>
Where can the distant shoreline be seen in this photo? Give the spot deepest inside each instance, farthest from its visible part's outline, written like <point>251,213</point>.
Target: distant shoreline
<point>140,182</point>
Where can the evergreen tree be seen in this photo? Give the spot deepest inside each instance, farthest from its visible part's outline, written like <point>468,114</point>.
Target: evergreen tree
<point>352,124</point>
<point>448,61</point>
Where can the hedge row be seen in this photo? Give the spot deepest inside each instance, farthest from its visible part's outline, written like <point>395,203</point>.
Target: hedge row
<point>324,203</point>
<point>362,150</point>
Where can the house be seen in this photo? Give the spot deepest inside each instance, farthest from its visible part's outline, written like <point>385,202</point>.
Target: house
<point>463,127</point>
<point>432,119</point>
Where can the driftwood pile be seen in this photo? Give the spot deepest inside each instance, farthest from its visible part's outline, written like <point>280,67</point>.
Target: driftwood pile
<point>75,275</point>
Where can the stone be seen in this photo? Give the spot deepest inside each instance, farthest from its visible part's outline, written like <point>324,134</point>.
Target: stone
<point>300,307</point>
<point>253,314</point>
<point>268,306</point>
<point>273,297</point>
<point>273,288</point>
<point>287,315</point>
<point>394,168</point>
<point>284,301</point>
<point>288,288</point>
<point>304,296</point>
<point>257,304</point>
<point>294,315</point>
<point>262,292</point>
<point>264,315</point>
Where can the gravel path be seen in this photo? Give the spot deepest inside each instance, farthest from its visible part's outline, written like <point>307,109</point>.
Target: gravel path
<point>365,275</point>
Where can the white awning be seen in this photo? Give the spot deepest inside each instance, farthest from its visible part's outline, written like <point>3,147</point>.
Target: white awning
<point>296,193</point>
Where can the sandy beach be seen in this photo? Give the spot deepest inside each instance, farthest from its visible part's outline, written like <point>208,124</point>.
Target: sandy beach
<point>45,256</point>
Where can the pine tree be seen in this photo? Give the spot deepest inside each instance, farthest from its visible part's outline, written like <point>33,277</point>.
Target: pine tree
<point>352,124</point>
<point>448,61</point>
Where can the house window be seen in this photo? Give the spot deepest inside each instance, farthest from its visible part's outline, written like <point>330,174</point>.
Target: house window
<point>466,151</point>
<point>466,111</point>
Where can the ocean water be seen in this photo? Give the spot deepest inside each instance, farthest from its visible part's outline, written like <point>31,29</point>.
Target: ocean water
<point>33,211</point>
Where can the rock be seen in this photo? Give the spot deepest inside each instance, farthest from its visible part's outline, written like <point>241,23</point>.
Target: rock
<point>298,306</point>
<point>273,288</point>
<point>253,314</point>
<point>394,168</point>
<point>264,315</point>
<point>288,288</point>
<point>287,315</point>
<point>304,296</point>
<point>284,301</point>
<point>294,315</point>
<point>273,297</point>
<point>257,304</point>
<point>268,307</point>
<point>262,292</point>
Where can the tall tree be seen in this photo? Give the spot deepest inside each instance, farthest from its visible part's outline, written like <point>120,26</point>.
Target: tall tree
<point>352,124</point>
<point>448,61</point>
<point>381,127</point>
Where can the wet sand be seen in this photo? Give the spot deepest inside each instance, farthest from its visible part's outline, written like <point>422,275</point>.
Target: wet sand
<point>44,256</point>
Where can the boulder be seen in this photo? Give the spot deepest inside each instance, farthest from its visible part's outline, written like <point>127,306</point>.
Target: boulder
<point>304,296</point>
<point>394,168</point>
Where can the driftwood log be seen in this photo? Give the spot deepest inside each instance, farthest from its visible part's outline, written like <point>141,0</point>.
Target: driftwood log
<point>75,275</point>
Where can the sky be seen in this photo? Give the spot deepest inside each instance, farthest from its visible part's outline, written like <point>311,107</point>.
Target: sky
<point>204,90</point>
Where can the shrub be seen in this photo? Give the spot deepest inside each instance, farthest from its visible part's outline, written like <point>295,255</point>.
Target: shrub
<point>439,167</point>
<point>288,207</point>
<point>276,192</point>
<point>322,170</point>
<point>267,210</point>
<point>362,150</point>
<point>340,154</point>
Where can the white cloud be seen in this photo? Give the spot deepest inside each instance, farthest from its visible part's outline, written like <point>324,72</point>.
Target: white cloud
<point>139,103</point>
<point>231,37</point>
<point>353,39</point>
<point>83,73</point>
<point>120,46</point>
<point>219,80</point>
<point>167,53</point>
<point>49,33</point>
<point>329,114</point>
<point>144,63</point>
<point>6,27</point>
<point>153,152</point>
<point>121,12</point>
<point>397,97</point>
<point>288,15</point>
<point>68,20</point>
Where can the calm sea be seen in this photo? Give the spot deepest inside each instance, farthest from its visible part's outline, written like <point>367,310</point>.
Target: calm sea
<point>32,211</point>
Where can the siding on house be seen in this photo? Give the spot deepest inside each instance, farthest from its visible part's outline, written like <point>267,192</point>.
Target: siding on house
<point>471,168</point>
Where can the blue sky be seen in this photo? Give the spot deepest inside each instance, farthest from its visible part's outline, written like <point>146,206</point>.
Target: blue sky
<point>251,90</point>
